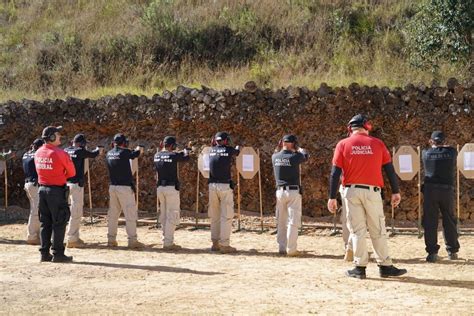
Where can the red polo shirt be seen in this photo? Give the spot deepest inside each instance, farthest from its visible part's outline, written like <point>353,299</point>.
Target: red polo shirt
<point>361,158</point>
<point>53,165</point>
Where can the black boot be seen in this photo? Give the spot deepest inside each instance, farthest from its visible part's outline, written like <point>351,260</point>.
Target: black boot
<point>452,255</point>
<point>388,271</point>
<point>62,258</point>
<point>47,257</point>
<point>357,272</point>
<point>432,257</point>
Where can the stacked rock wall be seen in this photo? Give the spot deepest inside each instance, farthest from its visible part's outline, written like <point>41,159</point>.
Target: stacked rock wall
<point>254,117</point>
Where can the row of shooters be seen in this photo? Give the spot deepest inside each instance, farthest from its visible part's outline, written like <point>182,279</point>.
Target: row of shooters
<point>57,171</point>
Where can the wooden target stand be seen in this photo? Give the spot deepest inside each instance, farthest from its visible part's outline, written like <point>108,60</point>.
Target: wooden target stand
<point>87,170</point>
<point>3,169</point>
<point>87,166</point>
<point>248,165</point>
<point>406,162</point>
<point>465,165</point>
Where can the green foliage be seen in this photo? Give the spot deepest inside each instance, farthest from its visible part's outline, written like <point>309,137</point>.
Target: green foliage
<point>441,31</point>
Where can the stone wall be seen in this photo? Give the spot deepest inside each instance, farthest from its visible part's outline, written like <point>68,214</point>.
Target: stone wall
<point>254,117</point>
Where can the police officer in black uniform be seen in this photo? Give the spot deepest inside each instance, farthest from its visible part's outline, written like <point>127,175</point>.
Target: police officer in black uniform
<point>121,191</point>
<point>78,154</point>
<point>31,188</point>
<point>166,166</point>
<point>221,195</point>
<point>439,163</point>
<point>286,162</point>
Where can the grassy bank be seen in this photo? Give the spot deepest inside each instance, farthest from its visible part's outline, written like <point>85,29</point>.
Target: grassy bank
<point>58,48</point>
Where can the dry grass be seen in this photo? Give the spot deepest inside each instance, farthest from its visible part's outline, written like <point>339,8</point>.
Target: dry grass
<point>57,48</point>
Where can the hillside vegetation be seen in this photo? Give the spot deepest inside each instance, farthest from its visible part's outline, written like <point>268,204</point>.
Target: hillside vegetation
<point>90,48</point>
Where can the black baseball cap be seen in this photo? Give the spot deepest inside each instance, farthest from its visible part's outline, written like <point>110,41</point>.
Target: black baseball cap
<point>50,131</point>
<point>358,121</point>
<point>120,138</point>
<point>289,138</point>
<point>437,136</point>
<point>221,136</point>
<point>80,138</point>
<point>38,143</point>
<point>169,140</point>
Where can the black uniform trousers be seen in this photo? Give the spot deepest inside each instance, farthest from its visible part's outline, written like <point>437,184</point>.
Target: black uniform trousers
<point>54,215</point>
<point>439,198</point>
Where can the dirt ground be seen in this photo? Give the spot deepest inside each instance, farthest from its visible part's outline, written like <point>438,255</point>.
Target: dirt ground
<point>254,281</point>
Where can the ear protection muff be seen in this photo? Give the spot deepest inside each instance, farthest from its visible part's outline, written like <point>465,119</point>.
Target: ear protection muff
<point>173,146</point>
<point>52,138</point>
<point>366,124</point>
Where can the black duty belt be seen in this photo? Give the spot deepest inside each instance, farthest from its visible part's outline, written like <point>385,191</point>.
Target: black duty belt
<point>359,186</point>
<point>120,184</point>
<point>439,185</point>
<point>166,184</point>
<point>220,181</point>
<point>288,187</point>
<point>54,186</point>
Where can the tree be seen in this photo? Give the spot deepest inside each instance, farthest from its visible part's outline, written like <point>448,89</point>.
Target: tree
<point>441,31</point>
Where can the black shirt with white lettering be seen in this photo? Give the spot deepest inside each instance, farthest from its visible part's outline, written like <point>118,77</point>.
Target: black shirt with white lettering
<point>166,166</point>
<point>118,164</point>
<point>440,165</point>
<point>28,161</point>
<point>286,167</point>
<point>78,155</point>
<point>220,163</point>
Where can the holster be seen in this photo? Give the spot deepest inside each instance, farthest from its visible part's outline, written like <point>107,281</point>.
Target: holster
<point>66,192</point>
<point>382,194</point>
<point>177,185</point>
<point>232,184</point>
<point>301,190</point>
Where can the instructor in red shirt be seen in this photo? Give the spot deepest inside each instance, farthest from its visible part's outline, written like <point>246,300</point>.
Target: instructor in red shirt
<point>360,158</point>
<point>54,167</point>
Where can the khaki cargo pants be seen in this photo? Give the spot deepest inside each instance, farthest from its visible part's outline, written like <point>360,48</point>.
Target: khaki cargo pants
<point>288,214</point>
<point>221,212</point>
<point>168,205</point>
<point>122,198</point>
<point>345,230</point>
<point>33,227</point>
<point>365,211</point>
<point>76,202</point>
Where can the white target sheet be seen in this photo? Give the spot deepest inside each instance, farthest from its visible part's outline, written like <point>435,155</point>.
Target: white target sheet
<point>405,163</point>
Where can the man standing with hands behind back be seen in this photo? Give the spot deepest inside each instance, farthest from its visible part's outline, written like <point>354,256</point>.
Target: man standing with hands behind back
<point>54,167</point>
<point>360,158</point>
<point>439,163</point>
